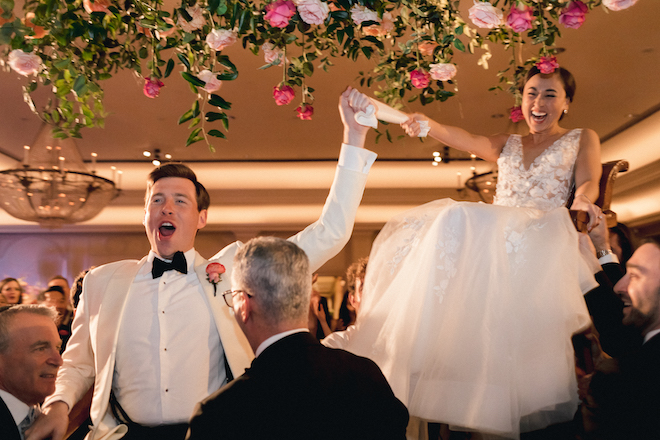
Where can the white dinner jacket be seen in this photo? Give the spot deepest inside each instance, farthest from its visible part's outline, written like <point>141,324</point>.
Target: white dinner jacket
<point>90,354</point>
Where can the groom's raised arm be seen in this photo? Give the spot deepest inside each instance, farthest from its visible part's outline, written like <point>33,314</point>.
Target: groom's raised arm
<point>324,238</point>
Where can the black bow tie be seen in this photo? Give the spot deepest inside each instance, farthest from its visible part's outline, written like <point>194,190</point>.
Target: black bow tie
<point>178,263</point>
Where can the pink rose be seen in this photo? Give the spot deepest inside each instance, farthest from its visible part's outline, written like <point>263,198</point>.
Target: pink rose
<point>312,11</point>
<point>516,114</point>
<point>420,79</point>
<point>427,47</point>
<point>39,31</point>
<point>24,63</point>
<point>485,15</point>
<point>618,5</point>
<point>152,87</point>
<point>213,271</point>
<point>279,13</point>
<point>442,71</point>
<point>196,22</point>
<point>362,13</point>
<point>572,16</point>
<point>272,53</point>
<point>520,18</point>
<point>283,95</point>
<point>96,6</point>
<point>305,112</point>
<point>218,39</point>
<point>547,65</point>
<point>211,79</point>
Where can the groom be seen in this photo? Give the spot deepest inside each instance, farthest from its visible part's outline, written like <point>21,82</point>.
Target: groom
<point>155,336</point>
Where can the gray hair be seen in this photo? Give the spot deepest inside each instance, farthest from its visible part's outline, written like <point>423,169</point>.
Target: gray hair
<point>276,273</point>
<point>8,313</point>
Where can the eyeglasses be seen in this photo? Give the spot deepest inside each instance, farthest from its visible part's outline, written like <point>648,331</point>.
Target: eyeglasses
<point>228,295</point>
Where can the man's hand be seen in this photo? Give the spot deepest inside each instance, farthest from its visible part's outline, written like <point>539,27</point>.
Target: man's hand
<point>51,424</point>
<point>351,102</point>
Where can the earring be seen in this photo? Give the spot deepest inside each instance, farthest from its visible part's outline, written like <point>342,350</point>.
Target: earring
<point>565,111</point>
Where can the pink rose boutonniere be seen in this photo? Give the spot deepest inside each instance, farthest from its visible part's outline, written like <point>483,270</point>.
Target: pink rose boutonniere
<point>420,79</point>
<point>547,65</point>
<point>213,271</point>
<point>572,16</point>
<point>152,87</point>
<point>279,13</point>
<point>305,112</point>
<point>283,95</point>
<point>516,114</point>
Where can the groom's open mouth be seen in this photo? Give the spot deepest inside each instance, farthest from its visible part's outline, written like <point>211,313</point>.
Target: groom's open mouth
<point>166,229</point>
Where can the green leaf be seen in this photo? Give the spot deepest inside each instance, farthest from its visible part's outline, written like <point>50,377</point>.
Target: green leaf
<point>214,116</point>
<point>187,116</point>
<point>217,133</point>
<point>183,60</point>
<point>169,68</point>
<point>230,76</point>
<point>458,44</point>
<point>222,8</point>
<point>195,108</point>
<point>192,79</point>
<point>194,122</point>
<point>194,137</point>
<point>218,101</point>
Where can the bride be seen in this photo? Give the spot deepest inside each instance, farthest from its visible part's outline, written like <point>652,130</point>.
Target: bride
<point>469,308</point>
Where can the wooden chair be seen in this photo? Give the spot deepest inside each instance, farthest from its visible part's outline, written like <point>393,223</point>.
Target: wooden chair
<point>607,179</point>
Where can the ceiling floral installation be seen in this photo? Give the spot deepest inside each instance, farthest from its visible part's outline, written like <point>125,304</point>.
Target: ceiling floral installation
<point>72,46</point>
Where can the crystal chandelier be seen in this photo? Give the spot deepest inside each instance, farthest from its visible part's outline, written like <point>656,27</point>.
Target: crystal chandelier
<point>52,186</point>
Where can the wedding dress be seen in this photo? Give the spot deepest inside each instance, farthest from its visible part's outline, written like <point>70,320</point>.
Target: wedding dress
<point>469,308</point>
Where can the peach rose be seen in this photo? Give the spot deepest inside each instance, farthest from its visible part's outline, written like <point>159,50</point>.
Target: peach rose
<point>211,79</point>
<point>385,27</point>
<point>24,63</point>
<point>360,14</point>
<point>97,6</point>
<point>5,20</point>
<point>283,95</point>
<point>279,13</point>
<point>427,47</point>
<point>305,112</point>
<point>572,16</point>
<point>39,31</point>
<point>272,53</point>
<point>312,11</point>
<point>485,15</point>
<point>618,5</point>
<point>197,21</point>
<point>218,39</point>
<point>164,33</point>
<point>442,71</point>
<point>420,79</point>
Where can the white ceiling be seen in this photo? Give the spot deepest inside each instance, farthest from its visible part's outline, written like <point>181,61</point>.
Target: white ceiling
<point>275,169</point>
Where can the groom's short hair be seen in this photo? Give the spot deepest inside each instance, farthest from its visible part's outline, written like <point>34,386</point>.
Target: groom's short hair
<point>275,272</point>
<point>183,171</point>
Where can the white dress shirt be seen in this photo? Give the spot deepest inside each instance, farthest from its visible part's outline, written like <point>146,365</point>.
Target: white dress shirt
<point>169,354</point>
<point>17,408</point>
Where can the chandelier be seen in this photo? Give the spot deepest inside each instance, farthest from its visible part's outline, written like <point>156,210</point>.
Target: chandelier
<point>483,184</point>
<point>52,186</point>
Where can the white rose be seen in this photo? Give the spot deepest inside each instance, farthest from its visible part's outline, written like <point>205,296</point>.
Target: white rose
<point>442,71</point>
<point>24,63</point>
<point>312,11</point>
<point>362,13</point>
<point>485,15</point>
<point>218,39</point>
<point>212,82</point>
<point>618,5</point>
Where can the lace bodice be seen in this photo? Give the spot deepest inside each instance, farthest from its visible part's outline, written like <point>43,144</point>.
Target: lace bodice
<point>547,183</point>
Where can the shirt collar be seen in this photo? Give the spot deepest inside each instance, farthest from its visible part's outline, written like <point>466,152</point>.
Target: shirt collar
<point>273,339</point>
<point>18,409</point>
<point>650,334</point>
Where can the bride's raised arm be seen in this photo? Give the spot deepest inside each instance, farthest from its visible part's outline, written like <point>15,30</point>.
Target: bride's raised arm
<point>485,147</point>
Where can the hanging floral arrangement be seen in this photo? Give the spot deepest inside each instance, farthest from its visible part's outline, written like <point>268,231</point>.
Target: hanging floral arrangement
<point>72,46</point>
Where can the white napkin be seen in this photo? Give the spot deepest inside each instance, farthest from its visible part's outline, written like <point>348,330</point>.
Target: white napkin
<point>381,111</point>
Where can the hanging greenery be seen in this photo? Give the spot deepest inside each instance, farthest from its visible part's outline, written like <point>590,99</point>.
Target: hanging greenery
<point>72,46</point>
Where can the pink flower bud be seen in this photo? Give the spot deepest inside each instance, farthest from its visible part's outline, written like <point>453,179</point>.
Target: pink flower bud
<point>283,95</point>
<point>152,87</point>
<point>305,112</point>
<point>420,79</point>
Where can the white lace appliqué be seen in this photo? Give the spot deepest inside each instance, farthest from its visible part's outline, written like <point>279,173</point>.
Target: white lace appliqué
<point>447,268</point>
<point>414,224</point>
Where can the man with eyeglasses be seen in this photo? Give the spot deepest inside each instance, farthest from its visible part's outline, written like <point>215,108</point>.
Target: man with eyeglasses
<point>155,336</point>
<point>294,381</point>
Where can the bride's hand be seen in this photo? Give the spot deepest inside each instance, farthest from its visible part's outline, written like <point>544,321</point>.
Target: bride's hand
<point>412,126</point>
<point>595,213</point>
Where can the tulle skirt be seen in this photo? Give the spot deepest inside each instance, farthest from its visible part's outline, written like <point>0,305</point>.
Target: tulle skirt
<point>469,309</point>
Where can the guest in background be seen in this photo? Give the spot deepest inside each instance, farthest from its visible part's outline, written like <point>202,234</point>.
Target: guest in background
<point>12,290</point>
<point>54,297</point>
<point>294,381</point>
<point>3,301</point>
<point>319,314</point>
<point>29,360</point>
<point>623,242</point>
<point>60,281</point>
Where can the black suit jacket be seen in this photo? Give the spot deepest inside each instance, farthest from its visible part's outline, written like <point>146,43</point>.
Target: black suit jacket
<point>8,428</point>
<point>298,389</point>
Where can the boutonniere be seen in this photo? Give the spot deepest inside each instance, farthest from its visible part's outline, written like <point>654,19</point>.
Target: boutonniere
<point>213,271</point>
